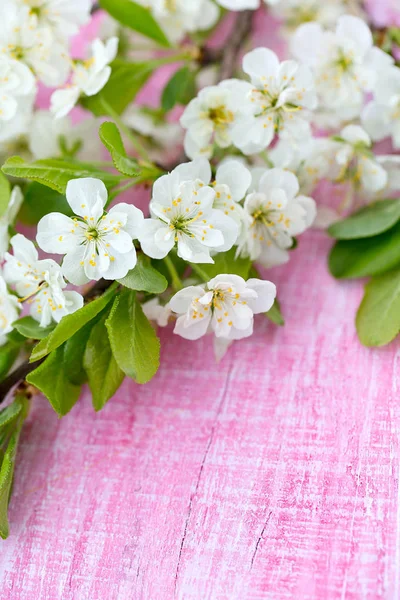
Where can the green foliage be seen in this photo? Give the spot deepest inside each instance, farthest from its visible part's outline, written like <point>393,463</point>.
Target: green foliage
<point>180,89</point>
<point>225,262</point>
<point>74,352</point>
<point>378,318</point>
<point>274,314</point>
<point>111,138</point>
<point>29,328</point>
<point>367,222</point>
<point>11,420</point>
<point>52,380</point>
<point>5,193</point>
<point>70,324</point>
<point>103,372</point>
<point>125,82</point>
<point>144,277</point>
<point>136,17</point>
<point>55,173</point>
<point>40,200</point>
<point>9,353</point>
<point>134,343</point>
<point>368,256</point>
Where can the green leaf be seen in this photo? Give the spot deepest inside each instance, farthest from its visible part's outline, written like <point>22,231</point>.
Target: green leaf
<point>225,262</point>
<point>103,372</point>
<point>125,82</point>
<point>74,352</point>
<point>367,222</point>
<point>70,324</point>
<point>52,380</point>
<point>40,200</point>
<point>8,355</point>
<point>29,328</point>
<point>137,17</point>
<point>5,193</point>
<point>180,89</point>
<point>111,138</point>
<point>134,343</point>
<point>11,421</point>
<point>368,256</point>
<point>6,479</point>
<point>145,278</point>
<point>55,173</point>
<point>378,318</point>
<point>274,314</point>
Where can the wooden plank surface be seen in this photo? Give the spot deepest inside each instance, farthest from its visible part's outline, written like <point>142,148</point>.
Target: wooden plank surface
<point>274,474</point>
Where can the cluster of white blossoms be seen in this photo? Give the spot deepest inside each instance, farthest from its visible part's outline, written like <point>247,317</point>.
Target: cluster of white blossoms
<point>262,134</point>
<point>277,102</point>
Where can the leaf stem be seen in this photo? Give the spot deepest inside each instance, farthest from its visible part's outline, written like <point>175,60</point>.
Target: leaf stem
<point>140,149</point>
<point>199,271</point>
<point>176,280</point>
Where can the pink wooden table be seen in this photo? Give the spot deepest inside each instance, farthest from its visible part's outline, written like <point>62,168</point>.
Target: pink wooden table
<point>273,475</point>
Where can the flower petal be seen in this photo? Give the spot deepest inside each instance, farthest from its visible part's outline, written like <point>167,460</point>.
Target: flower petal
<point>87,196</point>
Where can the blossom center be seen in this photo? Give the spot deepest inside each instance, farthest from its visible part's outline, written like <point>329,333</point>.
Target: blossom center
<point>92,233</point>
<point>220,115</point>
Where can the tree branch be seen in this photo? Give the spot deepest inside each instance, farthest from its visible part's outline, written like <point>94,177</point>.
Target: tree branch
<point>241,31</point>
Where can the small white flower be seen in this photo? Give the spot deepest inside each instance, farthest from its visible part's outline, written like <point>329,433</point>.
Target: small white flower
<point>95,244</point>
<point>381,117</point>
<point>344,63</point>
<point>16,80</point>
<point>40,282</point>
<point>9,217</point>
<point>182,214</point>
<point>157,312</point>
<point>310,161</point>
<point>278,101</point>
<point>9,309</point>
<point>22,40</point>
<point>276,215</point>
<point>210,118</point>
<point>226,304</point>
<point>88,78</point>
<point>49,137</point>
<point>63,17</point>
<point>178,17</point>
<point>355,161</point>
<point>296,12</point>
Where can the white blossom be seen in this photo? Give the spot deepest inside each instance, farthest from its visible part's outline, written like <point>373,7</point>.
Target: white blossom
<point>296,12</point>
<point>182,214</point>
<point>22,40</point>
<point>63,17</point>
<point>354,161</point>
<point>16,80</point>
<point>381,117</point>
<point>157,312</point>
<point>40,282</point>
<point>226,305</point>
<point>8,218</point>
<point>88,78</point>
<point>210,117</point>
<point>9,309</point>
<point>50,138</point>
<point>179,17</point>
<point>276,214</point>
<point>345,63</point>
<point>278,101</point>
<point>95,244</point>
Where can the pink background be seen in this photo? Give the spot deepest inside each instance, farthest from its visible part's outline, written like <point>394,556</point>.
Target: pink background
<point>272,475</point>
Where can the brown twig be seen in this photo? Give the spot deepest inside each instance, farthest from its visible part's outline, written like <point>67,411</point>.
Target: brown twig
<point>241,31</point>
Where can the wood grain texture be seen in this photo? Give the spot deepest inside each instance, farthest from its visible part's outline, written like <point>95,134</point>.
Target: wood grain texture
<point>272,475</point>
